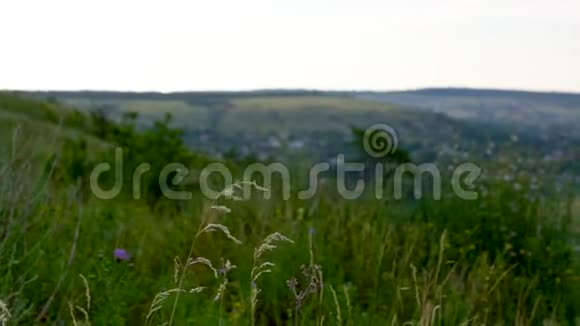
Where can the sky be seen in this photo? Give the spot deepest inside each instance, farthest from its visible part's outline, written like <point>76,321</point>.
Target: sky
<point>314,44</point>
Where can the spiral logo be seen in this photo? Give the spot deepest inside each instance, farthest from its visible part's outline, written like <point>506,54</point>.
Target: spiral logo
<point>380,140</point>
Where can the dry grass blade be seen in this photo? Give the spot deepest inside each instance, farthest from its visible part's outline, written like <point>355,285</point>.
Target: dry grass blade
<point>203,261</point>
<point>219,227</point>
<point>87,292</point>
<point>72,314</point>
<point>230,191</point>
<point>221,290</point>
<point>337,304</point>
<point>257,271</point>
<point>197,289</point>
<point>264,265</point>
<point>260,273</point>
<point>158,300</point>
<point>176,269</point>
<point>157,303</point>
<point>348,306</point>
<point>4,313</point>
<point>221,209</point>
<point>262,269</point>
<point>85,310</point>
<point>501,277</point>
<point>226,268</point>
<point>268,243</point>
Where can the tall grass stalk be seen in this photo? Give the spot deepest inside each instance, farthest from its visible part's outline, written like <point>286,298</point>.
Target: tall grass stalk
<point>229,193</point>
<point>260,268</point>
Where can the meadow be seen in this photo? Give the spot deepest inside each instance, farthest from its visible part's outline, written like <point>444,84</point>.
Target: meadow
<point>68,257</point>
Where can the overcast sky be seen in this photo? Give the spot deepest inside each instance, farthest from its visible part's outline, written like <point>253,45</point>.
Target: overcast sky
<point>251,44</point>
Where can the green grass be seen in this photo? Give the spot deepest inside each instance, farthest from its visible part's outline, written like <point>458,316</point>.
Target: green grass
<point>504,259</point>
<point>263,115</point>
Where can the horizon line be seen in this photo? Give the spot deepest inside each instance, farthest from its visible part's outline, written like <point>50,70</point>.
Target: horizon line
<point>296,89</point>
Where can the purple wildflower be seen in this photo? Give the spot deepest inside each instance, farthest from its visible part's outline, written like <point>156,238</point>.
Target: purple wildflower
<point>121,254</point>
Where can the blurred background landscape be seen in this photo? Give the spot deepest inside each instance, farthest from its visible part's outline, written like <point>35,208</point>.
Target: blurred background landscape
<point>434,122</point>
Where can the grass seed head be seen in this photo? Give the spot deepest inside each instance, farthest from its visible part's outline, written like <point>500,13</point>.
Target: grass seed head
<point>220,227</point>
<point>4,313</point>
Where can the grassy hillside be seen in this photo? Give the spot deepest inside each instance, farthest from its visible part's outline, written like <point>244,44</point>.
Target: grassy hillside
<point>447,125</point>
<point>516,108</point>
<point>37,129</point>
<point>67,256</point>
